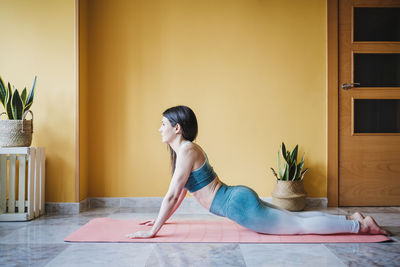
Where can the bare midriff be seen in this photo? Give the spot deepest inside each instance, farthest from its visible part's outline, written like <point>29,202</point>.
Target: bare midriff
<point>206,195</point>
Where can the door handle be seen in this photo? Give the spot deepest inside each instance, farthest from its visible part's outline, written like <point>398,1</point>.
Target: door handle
<point>347,86</point>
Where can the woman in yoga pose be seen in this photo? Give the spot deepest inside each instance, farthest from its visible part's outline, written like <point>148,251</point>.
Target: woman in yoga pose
<point>192,171</point>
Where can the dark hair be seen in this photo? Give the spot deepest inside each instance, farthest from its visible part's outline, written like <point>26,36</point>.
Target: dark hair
<point>188,122</point>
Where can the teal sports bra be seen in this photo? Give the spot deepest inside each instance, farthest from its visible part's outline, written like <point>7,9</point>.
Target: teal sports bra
<point>201,177</point>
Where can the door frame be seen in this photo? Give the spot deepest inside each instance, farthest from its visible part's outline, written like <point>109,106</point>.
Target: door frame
<point>333,102</point>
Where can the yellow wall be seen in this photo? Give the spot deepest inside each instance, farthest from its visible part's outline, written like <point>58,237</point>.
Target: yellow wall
<point>38,38</point>
<point>253,71</point>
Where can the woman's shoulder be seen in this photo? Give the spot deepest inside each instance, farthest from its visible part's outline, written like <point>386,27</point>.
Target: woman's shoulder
<point>192,150</point>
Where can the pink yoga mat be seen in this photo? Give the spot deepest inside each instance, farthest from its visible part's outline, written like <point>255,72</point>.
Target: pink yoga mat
<point>207,231</point>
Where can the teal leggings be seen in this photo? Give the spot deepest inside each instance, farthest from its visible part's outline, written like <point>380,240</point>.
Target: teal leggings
<point>242,205</point>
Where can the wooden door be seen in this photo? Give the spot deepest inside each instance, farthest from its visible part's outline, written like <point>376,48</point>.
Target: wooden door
<point>369,103</point>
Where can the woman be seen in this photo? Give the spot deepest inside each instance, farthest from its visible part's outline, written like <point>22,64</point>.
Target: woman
<point>192,171</point>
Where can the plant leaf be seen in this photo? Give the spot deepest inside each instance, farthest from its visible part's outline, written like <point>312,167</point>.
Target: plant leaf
<point>8,103</point>
<point>300,167</point>
<point>293,170</point>
<point>279,165</point>
<point>273,171</point>
<point>293,156</point>
<point>27,107</point>
<point>3,93</point>
<point>29,100</point>
<point>286,174</point>
<point>304,172</point>
<point>284,151</point>
<point>288,158</point>
<point>23,96</point>
<point>17,106</point>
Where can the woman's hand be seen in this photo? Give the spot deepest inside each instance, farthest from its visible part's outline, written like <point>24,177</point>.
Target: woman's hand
<point>141,234</point>
<point>148,223</point>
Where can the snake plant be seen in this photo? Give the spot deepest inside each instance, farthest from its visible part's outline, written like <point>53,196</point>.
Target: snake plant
<point>291,170</point>
<point>14,103</point>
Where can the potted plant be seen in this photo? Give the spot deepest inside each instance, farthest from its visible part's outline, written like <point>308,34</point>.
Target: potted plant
<point>16,131</point>
<point>289,189</point>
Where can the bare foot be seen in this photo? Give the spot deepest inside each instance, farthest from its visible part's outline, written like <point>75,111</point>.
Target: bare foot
<point>369,226</point>
<point>356,216</point>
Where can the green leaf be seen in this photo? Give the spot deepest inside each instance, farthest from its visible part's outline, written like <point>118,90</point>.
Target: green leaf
<point>29,100</point>
<point>286,174</point>
<point>8,103</point>
<point>3,93</point>
<point>293,156</point>
<point>288,159</point>
<point>293,172</point>
<point>273,171</point>
<point>23,96</point>
<point>27,107</point>
<point>17,106</point>
<point>300,167</point>
<point>302,175</point>
<point>279,165</point>
<point>284,151</point>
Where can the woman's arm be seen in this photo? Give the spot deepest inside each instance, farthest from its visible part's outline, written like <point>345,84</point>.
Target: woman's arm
<point>166,207</point>
<point>178,203</point>
<point>184,164</point>
<point>181,198</point>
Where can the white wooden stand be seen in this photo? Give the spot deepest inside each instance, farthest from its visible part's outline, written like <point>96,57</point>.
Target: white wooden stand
<point>31,173</point>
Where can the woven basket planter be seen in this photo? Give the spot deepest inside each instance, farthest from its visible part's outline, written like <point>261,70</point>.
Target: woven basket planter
<point>16,133</point>
<point>289,195</point>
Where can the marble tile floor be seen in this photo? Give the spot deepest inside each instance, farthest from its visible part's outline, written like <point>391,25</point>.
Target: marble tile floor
<point>40,243</point>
